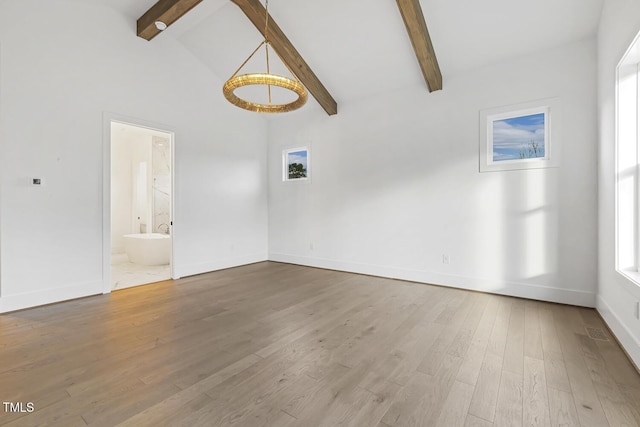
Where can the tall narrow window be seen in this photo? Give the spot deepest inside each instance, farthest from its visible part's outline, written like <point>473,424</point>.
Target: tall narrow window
<point>628,164</point>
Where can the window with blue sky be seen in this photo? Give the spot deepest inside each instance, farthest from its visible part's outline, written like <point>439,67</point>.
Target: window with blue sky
<point>296,162</point>
<point>519,138</point>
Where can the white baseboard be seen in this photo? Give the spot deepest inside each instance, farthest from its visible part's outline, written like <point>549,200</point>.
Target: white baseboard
<point>630,344</point>
<point>206,267</point>
<point>515,289</point>
<point>33,299</point>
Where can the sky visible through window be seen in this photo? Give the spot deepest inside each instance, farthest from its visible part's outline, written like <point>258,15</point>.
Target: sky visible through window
<point>294,160</point>
<point>298,157</point>
<point>519,138</point>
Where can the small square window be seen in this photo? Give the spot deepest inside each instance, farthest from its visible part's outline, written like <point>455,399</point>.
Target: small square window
<point>295,164</point>
<point>520,136</point>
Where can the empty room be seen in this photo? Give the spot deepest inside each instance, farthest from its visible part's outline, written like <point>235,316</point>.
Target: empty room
<point>293,213</point>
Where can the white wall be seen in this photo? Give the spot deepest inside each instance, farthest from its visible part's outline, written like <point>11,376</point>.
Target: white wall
<point>129,147</point>
<point>395,185</point>
<point>142,188</point>
<point>62,65</point>
<point>121,190</point>
<point>617,296</point>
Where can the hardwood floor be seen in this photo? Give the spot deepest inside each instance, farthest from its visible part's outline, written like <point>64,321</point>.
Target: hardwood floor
<point>273,344</point>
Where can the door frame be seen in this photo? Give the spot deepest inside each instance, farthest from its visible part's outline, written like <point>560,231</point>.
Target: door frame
<point>108,119</point>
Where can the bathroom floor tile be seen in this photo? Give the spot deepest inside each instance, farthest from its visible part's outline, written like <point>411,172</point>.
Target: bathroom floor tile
<point>127,274</point>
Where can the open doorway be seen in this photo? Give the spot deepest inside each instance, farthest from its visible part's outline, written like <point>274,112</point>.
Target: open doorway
<point>141,195</point>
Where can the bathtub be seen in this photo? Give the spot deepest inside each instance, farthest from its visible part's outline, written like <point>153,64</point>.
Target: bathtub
<point>148,249</point>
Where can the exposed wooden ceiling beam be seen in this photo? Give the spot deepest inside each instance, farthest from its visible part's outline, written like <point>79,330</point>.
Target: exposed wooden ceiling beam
<point>288,53</point>
<point>166,11</point>
<point>413,17</point>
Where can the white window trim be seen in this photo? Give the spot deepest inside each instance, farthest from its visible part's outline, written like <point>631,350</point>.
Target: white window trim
<point>285,164</point>
<point>550,107</point>
<point>627,164</point>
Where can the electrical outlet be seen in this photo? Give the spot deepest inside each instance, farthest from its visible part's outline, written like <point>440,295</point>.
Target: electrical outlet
<point>445,259</point>
<point>311,246</point>
<point>637,310</point>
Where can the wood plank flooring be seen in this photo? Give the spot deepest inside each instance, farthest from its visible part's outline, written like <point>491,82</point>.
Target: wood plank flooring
<point>273,344</point>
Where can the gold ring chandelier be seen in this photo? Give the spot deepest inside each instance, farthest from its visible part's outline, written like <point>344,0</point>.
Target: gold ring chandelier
<point>267,79</point>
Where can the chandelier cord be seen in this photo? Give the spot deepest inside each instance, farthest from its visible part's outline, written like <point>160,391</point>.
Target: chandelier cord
<point>287,67</point>
<point>266,43</point>
<point>266,21</point>
<point>247,60</point>
<point>292,84</point>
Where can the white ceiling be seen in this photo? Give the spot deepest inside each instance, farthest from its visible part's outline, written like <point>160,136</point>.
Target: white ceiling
<point>360,48</point>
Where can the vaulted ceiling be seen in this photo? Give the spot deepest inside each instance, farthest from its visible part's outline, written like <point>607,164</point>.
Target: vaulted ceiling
<point>361,48</point>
